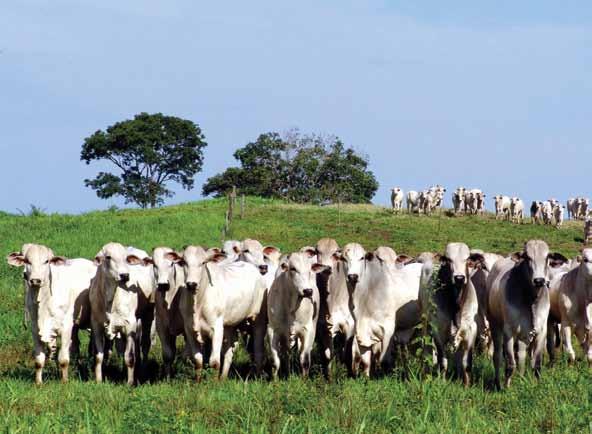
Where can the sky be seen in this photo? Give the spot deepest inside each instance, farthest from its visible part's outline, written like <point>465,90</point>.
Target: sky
<point>493,95</point>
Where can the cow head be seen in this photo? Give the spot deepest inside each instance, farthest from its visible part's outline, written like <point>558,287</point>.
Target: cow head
<point>252,252</point>
<point>302,273</point>
<point>353,257</point>
<point>114,261</point>
<point>36,259</point>
<point>585,260</point>
<point>535,260</point>
<point>164,268</point>
<point>194,261</point>
<point>326,249</point>
<point>457,263</point>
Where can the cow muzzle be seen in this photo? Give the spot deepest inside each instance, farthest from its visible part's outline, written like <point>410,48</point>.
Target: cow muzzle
<point>539,282</point>
<point>307,293</point>
<point>164,287</point>
<point>35,283</point>
<point>124,278</point>
<point>192,286</point>
<point>353,278</point>
<point>459,280</point>
<point>263,269</point>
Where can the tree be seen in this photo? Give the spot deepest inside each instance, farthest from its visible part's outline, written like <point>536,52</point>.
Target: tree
<point>150,151</point>
<point>301,168</point>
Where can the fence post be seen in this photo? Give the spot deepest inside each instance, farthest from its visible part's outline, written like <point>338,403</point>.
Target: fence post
<point>242,206</point>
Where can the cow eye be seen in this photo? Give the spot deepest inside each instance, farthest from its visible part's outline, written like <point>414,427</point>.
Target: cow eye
<point>293,270</point>
<point>246,251</point>
<point>46,262</point>
<point>586,260</point>
<point>108,258</point>
<point>362,258</point>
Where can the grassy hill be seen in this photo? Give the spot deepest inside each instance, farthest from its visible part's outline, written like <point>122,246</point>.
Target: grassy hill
<point>562,401</point>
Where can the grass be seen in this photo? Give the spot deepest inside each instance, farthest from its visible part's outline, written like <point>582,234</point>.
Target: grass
<point>560,402</point>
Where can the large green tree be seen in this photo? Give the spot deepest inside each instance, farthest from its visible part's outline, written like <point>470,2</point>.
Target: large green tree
<point>297,167</point>
<point>149,152</point>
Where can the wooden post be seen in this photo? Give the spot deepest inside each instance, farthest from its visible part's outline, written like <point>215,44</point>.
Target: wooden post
<point>242,206</point>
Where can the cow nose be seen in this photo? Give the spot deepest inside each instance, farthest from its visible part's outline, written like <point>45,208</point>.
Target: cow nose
<point>124,277</point>
<point>263,269</point>
<point>459,279</point>
<point>539,281</point>
<point>307,292</point>
<point>163,287</point>
<point>353,278</point>
<point>192,286</point>
<point>35,282</point>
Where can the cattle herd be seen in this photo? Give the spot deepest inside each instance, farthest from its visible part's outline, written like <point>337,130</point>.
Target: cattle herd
<point>350,304</point>
<point>472,201</point>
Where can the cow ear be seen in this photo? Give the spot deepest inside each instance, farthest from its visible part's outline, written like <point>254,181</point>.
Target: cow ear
<point>98,260</point>
<point>216,257</point>
<point>133,260</point>
<point>320,268</point>
<point>16,259</point>
<point>284,266</point>
<point>404,259</point>
<point>173,257</point>
<point>370,256</point>
<point>557,260</point>
<point>517,256</point>
<point>443,259</point>
<point>269,250</point>
<point>148,261</point>
<point>58,260</point>
<point>579,259</point>
<point>236,249</point>
<point>337,256</point>
<point>214,250</point>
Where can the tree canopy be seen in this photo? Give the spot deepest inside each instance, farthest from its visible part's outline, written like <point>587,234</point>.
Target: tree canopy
<point>149,152</point>
<point>297,167</point>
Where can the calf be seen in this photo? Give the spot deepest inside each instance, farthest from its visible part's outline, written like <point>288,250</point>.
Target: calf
<point>293,311</point>
<point>502,207</point>
<point>518,306</point>
<point>121,306</point>
<point>455,318</point>
<point>397,199</point>
<point>571,306</point>
<point>219,298</point>
<point>56,299</point>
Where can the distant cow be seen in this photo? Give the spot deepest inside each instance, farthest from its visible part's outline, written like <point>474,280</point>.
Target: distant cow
<point>502,207</point>
<point>536,212</point>
<point>588,231</point>
<point>56,298</point>
<point>558,215</point>
<point>458,200</point>
<point>517,209</point>
<point>518,306</point>
<point>412,201</point>
<point>397,199</point>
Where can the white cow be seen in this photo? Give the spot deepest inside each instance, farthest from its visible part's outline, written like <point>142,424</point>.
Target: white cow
<point>293,311</point>
<point>397,195</point>
<point>474,201</point>
<point>56,298</point>
<point>413,201</point>
<point>502,207</point>
<point>219,298</point>
<point>571,306</point>
<point>588,231</point>
<point>517,209</point>
<point>547,212</point>
<point>536,212</point>
<point>571,210</point>
<point>170,282</point>
<point>374,302</point>
<point>122,305</point>
<point>558,215</point>
<point>458,200</point>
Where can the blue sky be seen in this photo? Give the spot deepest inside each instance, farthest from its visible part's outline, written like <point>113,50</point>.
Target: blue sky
<point>496,96</point>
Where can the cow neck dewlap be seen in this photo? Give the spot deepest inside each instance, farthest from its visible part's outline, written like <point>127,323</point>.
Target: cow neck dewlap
<point>48,316</point>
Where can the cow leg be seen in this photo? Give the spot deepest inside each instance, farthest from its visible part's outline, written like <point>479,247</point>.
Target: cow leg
<point>259,329</point>
<point>169,351</point>
<point>551,340</point>
<point>498,342</point>
<point>510,359</point>
<point>567,346</point>
<point>274,349</point>
<point>537,356</point>
<point>146,339</point>
<point>39,356</point>
<point>366,360</point>
<point>217,339</point>
<point>229,346</point>
<point>522,347</point>
<point>356,358</point>
<point>131,353</point>
<point>98,336</point>
<point>326,345</point>
<point>306,343</point>
<point>64,354</point>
